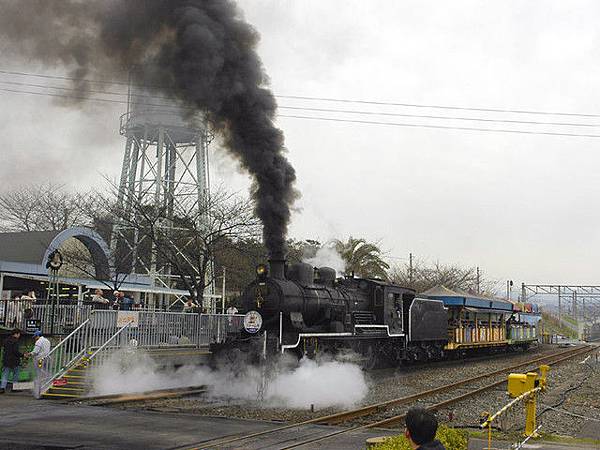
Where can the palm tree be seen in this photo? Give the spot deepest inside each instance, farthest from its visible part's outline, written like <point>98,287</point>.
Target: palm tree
<point>362,258</point>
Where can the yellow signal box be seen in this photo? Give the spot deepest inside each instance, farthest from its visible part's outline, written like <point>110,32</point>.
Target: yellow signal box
<point>519,383</point>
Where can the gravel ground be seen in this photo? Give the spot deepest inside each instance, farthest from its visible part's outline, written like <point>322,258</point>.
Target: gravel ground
<point>384,385</point>
<point>572,387</point>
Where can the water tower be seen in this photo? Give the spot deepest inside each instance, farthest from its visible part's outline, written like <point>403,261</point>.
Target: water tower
<point>165,164</point>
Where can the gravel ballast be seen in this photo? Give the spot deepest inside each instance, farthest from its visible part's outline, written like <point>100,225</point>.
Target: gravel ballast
<point>387,384</point>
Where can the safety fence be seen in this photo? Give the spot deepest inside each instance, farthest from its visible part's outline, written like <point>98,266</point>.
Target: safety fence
<point>51,319</point>
<point>61,319</point>
<point>104,332</point>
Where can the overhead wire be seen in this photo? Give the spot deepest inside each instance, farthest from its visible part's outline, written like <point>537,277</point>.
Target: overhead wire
<point>433,106</point>
<point>442,127</point>
<point>322,99</point>
<point>328,119</point>
<point>299,108</point>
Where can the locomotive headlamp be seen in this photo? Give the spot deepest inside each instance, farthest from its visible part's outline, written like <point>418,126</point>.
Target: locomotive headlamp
<point>261,272</point>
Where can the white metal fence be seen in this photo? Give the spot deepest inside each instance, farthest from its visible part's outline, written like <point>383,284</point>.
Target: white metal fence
<point>54,319</point>
<point>105,331</point>
<point>156,329</point>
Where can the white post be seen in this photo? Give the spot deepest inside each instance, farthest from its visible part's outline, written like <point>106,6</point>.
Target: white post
<point>223,293</point>
<point>280,329</point>
<point>79,295</point>
<point>1,285</point>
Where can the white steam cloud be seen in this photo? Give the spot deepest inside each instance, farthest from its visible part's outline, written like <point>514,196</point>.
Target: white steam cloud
<point>326,256</point>
<point>319,383</point>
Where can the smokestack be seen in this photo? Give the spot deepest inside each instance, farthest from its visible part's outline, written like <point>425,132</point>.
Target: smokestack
<point>277,268</point>
<point>201,54</point>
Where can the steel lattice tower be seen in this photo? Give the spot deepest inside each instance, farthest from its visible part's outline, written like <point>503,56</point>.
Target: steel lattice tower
<point>165,164</point>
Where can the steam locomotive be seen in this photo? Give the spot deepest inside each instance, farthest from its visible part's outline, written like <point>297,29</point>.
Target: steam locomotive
<point>308,311</point>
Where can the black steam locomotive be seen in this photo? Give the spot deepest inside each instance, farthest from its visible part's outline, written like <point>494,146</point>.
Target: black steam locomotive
<point>307,311</point>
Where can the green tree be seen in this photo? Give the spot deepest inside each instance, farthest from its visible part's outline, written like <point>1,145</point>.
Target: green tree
<point>362,258</point>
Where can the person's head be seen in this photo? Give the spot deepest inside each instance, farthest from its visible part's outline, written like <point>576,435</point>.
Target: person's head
<point>99,292</point>
<point>31,293</point>
<point>37,335</point>
<point>421,426</point>
<point>189,301</point>
<point>16,333</point>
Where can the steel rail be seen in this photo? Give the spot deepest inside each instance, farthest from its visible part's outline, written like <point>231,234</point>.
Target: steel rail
<point>344,416</point>
<point>113,399</point>
<point>398,418</point>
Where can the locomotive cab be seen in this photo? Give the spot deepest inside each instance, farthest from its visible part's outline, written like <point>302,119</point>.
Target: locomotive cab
<point>391,305</point>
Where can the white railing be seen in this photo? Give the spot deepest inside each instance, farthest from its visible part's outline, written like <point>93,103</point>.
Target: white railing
<point>61,358</point>
<point>214,328</point>
<point>116,341</point>
<point>54,319</point>
<point>106,330</point>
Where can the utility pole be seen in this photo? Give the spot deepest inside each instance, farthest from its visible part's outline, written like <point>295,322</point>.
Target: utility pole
<point>559,309</point>
<point>509,285</point>
<point>223,293</point>
<point>410,268</point>
<point>478,281</point>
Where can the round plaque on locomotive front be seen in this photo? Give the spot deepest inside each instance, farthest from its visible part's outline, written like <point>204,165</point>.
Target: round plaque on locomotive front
<point>252,321</point>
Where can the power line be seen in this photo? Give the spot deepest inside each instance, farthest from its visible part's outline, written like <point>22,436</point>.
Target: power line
<point>299,108</point>
<point>58,77</point>
<point>426,116</point>
<point>329,119</point>
<point>322,99</point>
<point>442,127</point>
<point>418,105</point>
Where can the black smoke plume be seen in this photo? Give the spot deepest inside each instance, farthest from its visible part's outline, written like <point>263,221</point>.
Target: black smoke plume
<point>199,52</point>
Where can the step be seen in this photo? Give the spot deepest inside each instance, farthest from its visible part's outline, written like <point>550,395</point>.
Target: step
<point>78,392</point>
<point>51,395</point>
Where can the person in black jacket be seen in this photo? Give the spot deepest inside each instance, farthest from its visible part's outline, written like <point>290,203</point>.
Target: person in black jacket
<point>11,359</point>
<point>421,426</point>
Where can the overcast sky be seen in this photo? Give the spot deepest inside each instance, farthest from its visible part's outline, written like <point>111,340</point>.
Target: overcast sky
<point>519,206</point>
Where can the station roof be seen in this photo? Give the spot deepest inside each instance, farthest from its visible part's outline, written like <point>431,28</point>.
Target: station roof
<point>95,284</point>
<point>25,247</point>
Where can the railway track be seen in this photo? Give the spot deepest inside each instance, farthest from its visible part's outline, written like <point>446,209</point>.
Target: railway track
<point>114,399</point>
<point>384,414</point>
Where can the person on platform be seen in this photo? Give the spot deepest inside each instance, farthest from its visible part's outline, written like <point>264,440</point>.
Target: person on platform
<point>40,351</point>
<point>189,306</point>
<point>421,427</point>
<point>99,300</point>
<point>29,296</point>
<point>126,301</point>
<point>116,303</point>
<point>11,359</point>
<point>232,309</point>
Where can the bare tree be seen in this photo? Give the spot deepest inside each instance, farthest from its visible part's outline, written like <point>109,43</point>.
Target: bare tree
<point>42,207</point>
<point>422,276</point>
<point>185,242</point>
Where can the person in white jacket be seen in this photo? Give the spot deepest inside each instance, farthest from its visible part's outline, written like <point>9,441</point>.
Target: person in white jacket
<point>40,351</point>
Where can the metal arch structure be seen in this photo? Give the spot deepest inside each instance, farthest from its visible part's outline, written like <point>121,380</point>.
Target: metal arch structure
<point>582,302</point>
<point>97,247</point>
<point>165,164</point>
